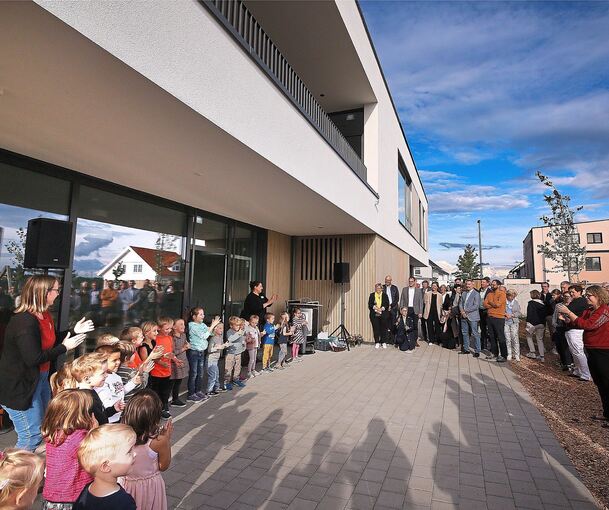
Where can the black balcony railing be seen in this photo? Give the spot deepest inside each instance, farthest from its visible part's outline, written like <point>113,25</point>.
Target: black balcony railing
<point>237,19</point>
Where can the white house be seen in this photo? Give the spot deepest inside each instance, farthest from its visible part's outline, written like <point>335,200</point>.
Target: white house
<point>433,273</point>
<point>142,264</point>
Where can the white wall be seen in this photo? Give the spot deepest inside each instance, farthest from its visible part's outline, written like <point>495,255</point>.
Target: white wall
<point>181,48</point>
<point>130,259</point>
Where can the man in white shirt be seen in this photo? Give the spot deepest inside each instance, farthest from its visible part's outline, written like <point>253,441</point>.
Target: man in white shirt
<point>393,294</point>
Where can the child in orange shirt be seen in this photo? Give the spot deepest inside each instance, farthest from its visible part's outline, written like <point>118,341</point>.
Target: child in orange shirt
<point>160,376</point>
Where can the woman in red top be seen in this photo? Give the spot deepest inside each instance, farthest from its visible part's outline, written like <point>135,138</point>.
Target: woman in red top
<point>29,348</point>
<point>595,323</point>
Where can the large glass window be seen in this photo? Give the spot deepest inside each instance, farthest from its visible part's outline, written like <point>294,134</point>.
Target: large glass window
<point>24,196</point>
<point>404,195</point>
<point>128,261</point>
<point>243,264</point>
<point>593,263</point>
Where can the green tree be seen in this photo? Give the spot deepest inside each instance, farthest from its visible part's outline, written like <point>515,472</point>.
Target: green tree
<point>563,244</point>
<point>119,271</point>
<point>17,249</point>
<point>467,263</point>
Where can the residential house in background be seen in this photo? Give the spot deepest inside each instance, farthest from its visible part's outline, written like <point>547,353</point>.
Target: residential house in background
<point>434,273</point>
<point>593,235</point>
<point>143,264</point>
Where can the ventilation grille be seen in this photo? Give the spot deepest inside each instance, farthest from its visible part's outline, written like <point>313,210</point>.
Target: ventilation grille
<point>318,255</point>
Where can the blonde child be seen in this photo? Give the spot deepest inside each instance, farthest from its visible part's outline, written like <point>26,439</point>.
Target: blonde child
<point>62,379</point>
<point>148,348</point>
<point>179,365</point>
<point>160,376</point>
<point>252,342</point>
<point>21,473</point>
<point>90,372</point>
<point>106,339</point>
<point>67,420</point>
<point>113,389</point>
<point>106,453</point>
<point>285,333</point>
<point>268,333</point>
<point>198,333</point>
<point>127,373</point>
<point>153,451</point>
<point>232,363</point>
<point>135,336</point>
<point>216,346</point>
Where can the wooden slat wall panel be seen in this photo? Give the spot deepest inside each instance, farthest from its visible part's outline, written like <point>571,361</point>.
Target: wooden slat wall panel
<point>358,250</point>
<point>278,269</point>
<point>391,261</point>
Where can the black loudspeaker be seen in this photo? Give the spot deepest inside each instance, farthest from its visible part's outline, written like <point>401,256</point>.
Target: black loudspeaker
<point>48,244</point>
<point>341,272</point>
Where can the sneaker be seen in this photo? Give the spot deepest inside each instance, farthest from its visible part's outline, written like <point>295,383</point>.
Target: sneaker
<point>409,351</point>
<point>517,358</point>
<point>509,358</point>
<point>165,414</point>
<point>229,386</point>
<point>377,346</point>
<point>213,393</point>
<point>540,358</point>
<point>221,389</point>
<point>270,369</point>
<point>500,359</point>
<point>476,355</point>
<point>490,356</point>
<point>240,384</point>
<point>201,395</point>
<point>463,352</point>
<point>555,352</point>
<point>178,403</point>
<point>384,346</point>
<point>531,355</point>
<point>255,372</point>
<point>193,398</point>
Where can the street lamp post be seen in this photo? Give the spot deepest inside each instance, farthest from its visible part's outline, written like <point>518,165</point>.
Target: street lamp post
<point>480,249</point>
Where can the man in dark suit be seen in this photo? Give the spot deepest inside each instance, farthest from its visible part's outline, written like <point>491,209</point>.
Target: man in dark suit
<point>548,301</point>
<point>393,295</point>
<point>412,298</point>
<point>484,290</point>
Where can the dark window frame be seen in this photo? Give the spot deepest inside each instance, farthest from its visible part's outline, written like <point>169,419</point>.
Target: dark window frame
<point>590,266</point>
<point>592,235</point>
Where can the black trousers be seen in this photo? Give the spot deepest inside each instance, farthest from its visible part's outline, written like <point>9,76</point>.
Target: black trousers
<point>379,327</point>
<point>496,333</point>
<point>175,388</point>
<point>598,363</point>
<point>434,329</point>
<point>423,328</point>
<point>162,387</point>
<point>560,341</point>
<point>484,332</point>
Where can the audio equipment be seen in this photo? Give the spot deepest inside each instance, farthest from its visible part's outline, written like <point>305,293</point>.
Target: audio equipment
<point>47,244</point>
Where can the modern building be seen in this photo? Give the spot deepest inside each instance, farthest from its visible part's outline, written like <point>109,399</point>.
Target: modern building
<point>255,140</point>
<point>593,235</point>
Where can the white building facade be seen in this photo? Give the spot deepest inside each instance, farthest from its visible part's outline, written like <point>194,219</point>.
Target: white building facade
<point>267,128</point>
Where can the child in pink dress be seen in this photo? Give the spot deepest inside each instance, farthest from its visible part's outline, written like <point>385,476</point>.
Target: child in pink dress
<point>67,420</point>
<point>153,451</point>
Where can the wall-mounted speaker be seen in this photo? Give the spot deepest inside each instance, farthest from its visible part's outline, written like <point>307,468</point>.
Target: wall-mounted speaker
<point>47,244</point>
<point>340,272</point>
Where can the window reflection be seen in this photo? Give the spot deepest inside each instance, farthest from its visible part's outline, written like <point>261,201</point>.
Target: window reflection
<point>128,261</point>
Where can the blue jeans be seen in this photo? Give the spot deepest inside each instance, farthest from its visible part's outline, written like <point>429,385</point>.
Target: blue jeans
<point>213,375</point>
<point>467,326</point>
<point>197,360</point>
<point>27,423</point>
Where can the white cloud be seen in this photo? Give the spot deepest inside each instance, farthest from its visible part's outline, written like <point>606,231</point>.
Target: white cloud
<point>458,201</point>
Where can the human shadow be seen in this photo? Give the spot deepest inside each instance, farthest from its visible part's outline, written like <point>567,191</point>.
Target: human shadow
<point>495,449</point>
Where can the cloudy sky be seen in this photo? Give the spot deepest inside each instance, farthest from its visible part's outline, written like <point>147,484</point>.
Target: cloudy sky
<point>489,92</point>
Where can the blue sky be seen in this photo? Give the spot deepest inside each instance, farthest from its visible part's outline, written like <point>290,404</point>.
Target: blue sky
<point>489,92</point>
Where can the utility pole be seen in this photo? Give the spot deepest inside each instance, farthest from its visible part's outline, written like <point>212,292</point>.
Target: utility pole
<point>480,249</point>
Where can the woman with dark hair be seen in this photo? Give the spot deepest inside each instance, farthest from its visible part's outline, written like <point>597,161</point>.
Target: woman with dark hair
<point>29,348</point>
<point>432,311</point>
<point>256,303</point>
<point>378,304</point>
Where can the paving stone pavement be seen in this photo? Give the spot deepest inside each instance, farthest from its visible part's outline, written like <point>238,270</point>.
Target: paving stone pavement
<point>373,429</point>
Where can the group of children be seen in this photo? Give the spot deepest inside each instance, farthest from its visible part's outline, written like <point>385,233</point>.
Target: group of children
<point>107,429</point>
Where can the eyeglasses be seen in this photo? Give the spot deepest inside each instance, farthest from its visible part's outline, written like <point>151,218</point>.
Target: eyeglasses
<point>588,295</point>
<point>58,290</point>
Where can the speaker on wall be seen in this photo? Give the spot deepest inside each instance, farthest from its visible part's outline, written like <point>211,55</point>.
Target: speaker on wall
<point>47,244</point>
<point>341,272</point>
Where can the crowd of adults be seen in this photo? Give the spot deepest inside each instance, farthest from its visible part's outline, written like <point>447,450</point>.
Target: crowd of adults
<point>487,320</point>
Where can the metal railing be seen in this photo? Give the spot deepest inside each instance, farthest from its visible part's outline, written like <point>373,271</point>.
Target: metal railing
<point>237,19</point>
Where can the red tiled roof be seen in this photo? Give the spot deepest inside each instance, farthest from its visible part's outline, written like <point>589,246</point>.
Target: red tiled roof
<point>168,258</point>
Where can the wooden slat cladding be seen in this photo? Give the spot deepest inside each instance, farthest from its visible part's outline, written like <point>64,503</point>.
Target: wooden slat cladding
<point>318,257</point>
<point>278,269</point>
<point>370,258</point>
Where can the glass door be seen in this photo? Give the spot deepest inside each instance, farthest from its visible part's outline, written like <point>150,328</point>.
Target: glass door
<point>209,267</point>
